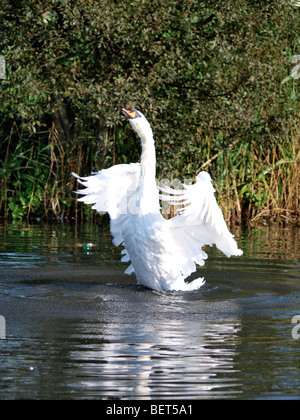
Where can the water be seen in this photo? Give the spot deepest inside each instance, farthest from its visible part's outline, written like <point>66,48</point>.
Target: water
<point>78,328</point>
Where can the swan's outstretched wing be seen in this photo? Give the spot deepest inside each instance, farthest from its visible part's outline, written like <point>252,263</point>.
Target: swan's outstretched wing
<point>200,222</point>
<point>112,191</point>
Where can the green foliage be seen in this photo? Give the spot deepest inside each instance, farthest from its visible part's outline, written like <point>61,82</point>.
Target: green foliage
<point>214,79</point>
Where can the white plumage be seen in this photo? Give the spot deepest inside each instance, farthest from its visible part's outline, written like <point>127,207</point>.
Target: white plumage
<point>163,253</point>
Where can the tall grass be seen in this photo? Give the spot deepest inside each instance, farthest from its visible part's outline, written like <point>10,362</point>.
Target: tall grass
<point>257,185</point>
<point>253,184</point>
<point>34,175</point>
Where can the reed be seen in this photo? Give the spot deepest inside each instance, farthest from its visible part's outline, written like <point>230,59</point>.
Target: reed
<point>257,185</point>
<point>35,180</point>
<point>219,83</point>
<point>253,185</point>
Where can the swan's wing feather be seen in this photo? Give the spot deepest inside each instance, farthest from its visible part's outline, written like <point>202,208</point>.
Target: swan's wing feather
<point>200,222</point>
<point>112,191</point>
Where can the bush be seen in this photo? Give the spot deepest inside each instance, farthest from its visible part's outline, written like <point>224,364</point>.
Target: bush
<point>213,78</point>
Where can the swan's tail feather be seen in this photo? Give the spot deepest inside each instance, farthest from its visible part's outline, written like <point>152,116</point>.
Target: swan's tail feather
<point>181,286</point>
<point>196,284</point>
<point>129,270</point>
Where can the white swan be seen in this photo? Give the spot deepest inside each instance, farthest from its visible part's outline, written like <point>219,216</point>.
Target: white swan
<point>163,253</point>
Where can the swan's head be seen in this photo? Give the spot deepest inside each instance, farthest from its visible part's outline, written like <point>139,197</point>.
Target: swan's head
<point>138,122</point>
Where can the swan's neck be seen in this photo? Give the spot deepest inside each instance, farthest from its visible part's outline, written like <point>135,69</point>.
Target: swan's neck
<point>148,193</point>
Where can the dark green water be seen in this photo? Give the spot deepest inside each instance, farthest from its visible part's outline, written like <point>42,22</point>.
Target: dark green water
<point>78,328</point>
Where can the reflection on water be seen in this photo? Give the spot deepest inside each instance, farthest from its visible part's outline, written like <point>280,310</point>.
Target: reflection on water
<point>157,355</point>
<point>77,327</point>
